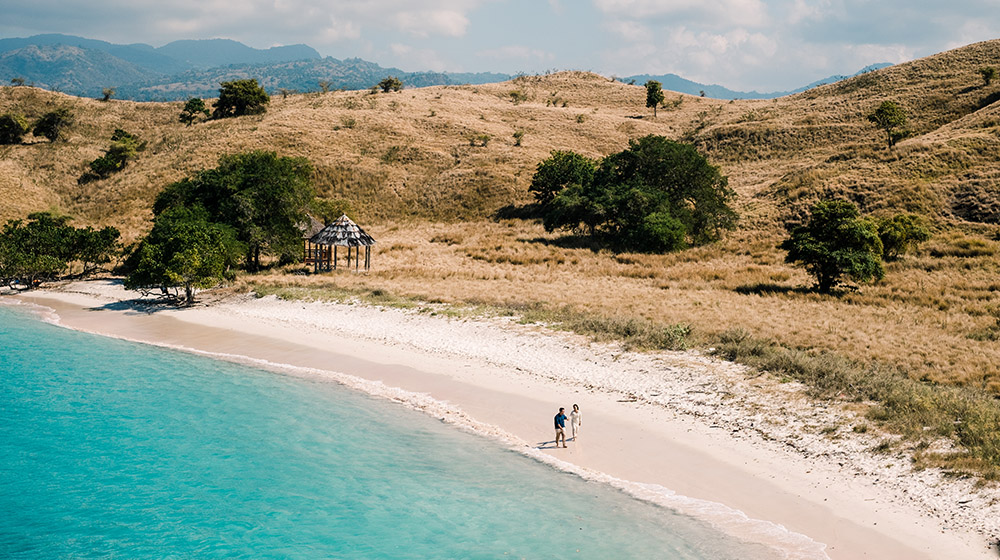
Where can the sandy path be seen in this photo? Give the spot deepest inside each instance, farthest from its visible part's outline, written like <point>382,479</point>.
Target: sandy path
<point>707,430</point>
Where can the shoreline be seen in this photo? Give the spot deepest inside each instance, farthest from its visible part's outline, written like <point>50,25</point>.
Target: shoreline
<point>703,428</point>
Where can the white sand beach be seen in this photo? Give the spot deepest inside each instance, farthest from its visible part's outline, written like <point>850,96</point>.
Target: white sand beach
<point>706,437</point>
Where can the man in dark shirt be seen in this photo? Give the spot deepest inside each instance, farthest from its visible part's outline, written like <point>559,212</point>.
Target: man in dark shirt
<point>560,422</point>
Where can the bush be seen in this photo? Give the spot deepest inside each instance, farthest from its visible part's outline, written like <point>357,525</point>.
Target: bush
<point>123,147</point>
<point>240,97</point>
<point>390,83</point>
<point>836,242</point>
<point>900,234</point>
<point>657,195</point>
<point>194,107</point>
<point>52,124</point>
<point>13,127</point>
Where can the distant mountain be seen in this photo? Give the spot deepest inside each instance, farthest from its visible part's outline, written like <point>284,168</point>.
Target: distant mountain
<point>195,68</point>
<point>673,82</point>
<point>299,75</point>
<point>211,53</point>
<point>75,70</point>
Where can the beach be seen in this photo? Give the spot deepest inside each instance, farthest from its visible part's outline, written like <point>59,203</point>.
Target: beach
<point>715,440</point>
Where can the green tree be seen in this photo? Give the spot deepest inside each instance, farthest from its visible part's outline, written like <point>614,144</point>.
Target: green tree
<point>123,147</point>
<point>654,95</point>
<point>391,83</point>
<point>17,82</point>
<point>900,234</point>
<point>834,243</point>
<point>94,247</point>
<point>240,97</point>
<point>889,116</point>
<point>13,127</point>
<point>183,251</point>
<point>194,107</point>
<point>37,250</point>
<point>107,93</point>
<point>559,170</point>
<point>51,124</point>
<point>988,74</point>
<point>261,196</point>
<point>657,195</point>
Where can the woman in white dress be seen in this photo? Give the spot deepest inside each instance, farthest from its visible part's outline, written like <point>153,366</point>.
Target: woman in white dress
<point>575,420</point>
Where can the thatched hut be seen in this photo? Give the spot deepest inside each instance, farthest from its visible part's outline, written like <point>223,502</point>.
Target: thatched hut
<point>343,232</point>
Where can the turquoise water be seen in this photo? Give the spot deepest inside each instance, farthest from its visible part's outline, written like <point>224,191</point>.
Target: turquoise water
<point>110,449</point>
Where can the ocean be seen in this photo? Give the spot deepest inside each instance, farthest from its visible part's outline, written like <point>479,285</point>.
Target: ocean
<point>112,449</point>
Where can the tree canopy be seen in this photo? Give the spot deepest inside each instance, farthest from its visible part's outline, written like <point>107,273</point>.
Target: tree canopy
<point>240,97</point>
<point>560,170</point>
<point>835,243</point>
<point>194,107</point>
<point>657,195</point>
<point>261,196</point>
<point>184,251</point>
<point>43,247</point>
<point>654,95</point>
<point>889,116</point>
<point>124,146</point>
<point>13,127</point>
<point>901,233</point>
<point>51,124</point>
<point>391,83</point>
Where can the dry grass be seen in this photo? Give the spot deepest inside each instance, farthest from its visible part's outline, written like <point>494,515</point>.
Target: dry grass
<point>413,167</point>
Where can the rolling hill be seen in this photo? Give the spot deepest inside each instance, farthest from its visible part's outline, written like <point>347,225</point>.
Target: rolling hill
<point>415,169</point>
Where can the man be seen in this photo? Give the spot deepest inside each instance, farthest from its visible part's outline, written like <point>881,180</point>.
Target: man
<point>560,422</point>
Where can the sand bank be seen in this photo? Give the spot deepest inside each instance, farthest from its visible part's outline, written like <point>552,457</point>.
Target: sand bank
<point>703,436</point>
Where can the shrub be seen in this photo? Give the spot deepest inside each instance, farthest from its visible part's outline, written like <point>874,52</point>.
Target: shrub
<point>391,83</point>
<point>194,107</point>
<point>988,74</point>
<point>835,242</point>
<point>13,127</point>
<point>240,97</point>
<point>901,233</point>
<point>51,124</point>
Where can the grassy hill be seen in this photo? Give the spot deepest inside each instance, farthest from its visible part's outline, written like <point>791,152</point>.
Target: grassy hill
<point>426,171</point>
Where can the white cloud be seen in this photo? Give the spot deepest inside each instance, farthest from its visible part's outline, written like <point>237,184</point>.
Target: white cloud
<point>431,22</point>
<point>517,52</point>
<point>717,13</point>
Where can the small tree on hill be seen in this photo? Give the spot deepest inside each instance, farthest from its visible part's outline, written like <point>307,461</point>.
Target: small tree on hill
<point>900,234</point>
<point>194,107</point>
<point>17,82</point>
<point>107,93</point>
<point>391,83</point>
<point>889,117</point>
<point>51,124</point>
<point>654,95</point>
<point>13,127</point>
<point>240,97</point>
<point>123,147</point>
<point>835,242</point>
<point>988,73</point>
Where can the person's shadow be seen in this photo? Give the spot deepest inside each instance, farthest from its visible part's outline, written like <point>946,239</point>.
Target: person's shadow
<point>547,445</point>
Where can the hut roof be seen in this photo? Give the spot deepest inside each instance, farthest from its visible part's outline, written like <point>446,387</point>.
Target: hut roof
<point>343,232</point>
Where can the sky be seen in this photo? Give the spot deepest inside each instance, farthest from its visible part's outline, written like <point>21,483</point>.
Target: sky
<point>763,45</point>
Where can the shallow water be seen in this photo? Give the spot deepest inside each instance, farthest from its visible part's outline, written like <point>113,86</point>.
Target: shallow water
<point>111,449</point>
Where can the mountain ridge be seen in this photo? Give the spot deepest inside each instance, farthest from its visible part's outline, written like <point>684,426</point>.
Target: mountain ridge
<point>194,67</point>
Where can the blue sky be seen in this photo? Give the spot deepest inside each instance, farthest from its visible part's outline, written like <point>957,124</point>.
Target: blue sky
<point>766,45</point>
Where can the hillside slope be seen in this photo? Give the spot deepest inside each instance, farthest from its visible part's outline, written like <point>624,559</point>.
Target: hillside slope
<point>425,170</point>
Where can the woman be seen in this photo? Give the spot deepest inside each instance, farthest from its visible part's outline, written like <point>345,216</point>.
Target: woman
<point>575,420</point>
